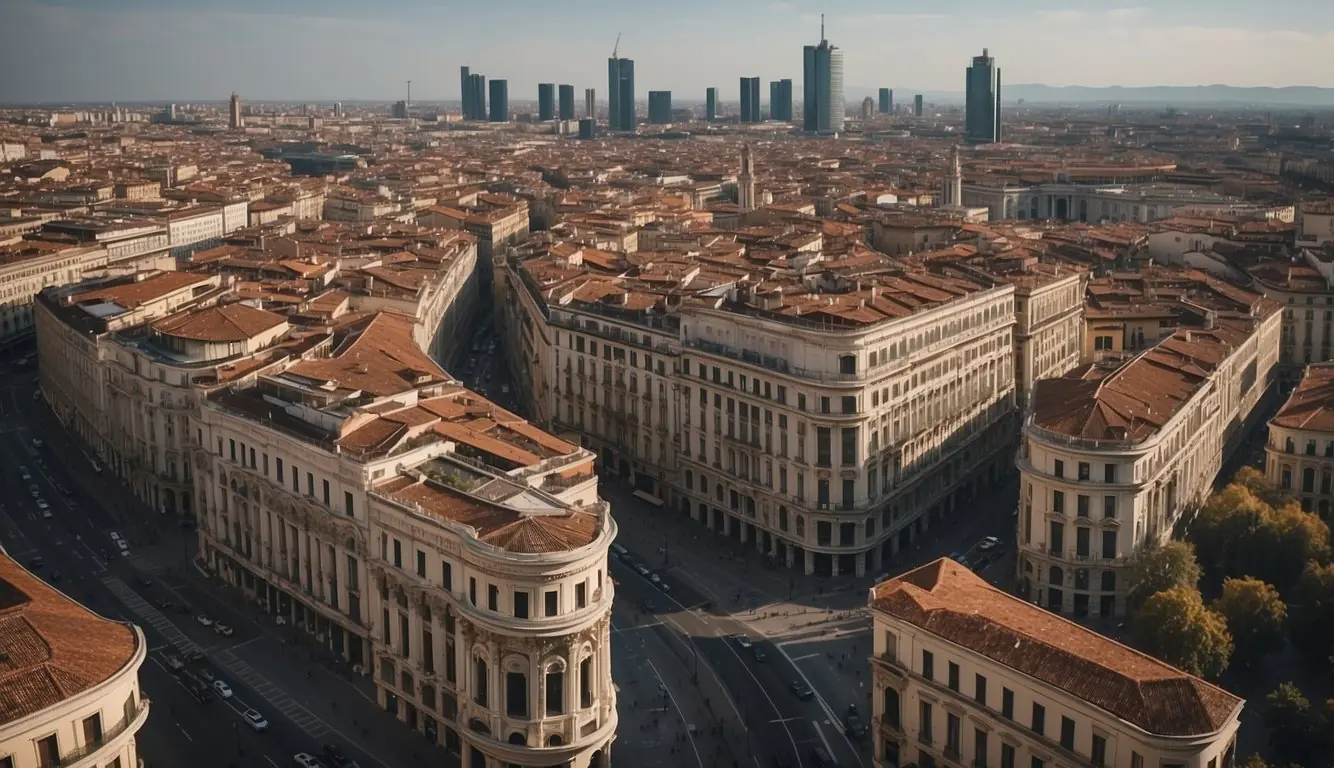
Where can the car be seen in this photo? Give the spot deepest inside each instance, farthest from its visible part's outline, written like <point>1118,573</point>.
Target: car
<point>185,608</point>
<point>41,504</point>
<point>988,543</point>
<point>115,536</point>
<point>204,620</point>
<point>959,558</point>
<point>55,577</point>
<point>174,662</point>
<point>802,690</point>
<point>46,513</point>
<point>647,606</point>
<point>655,578</point>
<point>124,547</point>
<point>202,693</point>
<point>224,630</point>
<point>759,653</point>
<point>642,569</point>
<point>337,757</point>
<point>224,690</point>
<point>24,472</point>
<point>307,760</point>
<point>35,491</point>
<point>853,725</point>
<point>194,654</point>
<point>207,676</point>
<point>37,442</point>
<point>742,640</point>
<point>255,720</point>
<point>162,604</point>
<point>36,563</point>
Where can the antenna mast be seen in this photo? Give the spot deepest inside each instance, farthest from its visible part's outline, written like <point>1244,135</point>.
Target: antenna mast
<point>617,47</point>
<point>822,27</point>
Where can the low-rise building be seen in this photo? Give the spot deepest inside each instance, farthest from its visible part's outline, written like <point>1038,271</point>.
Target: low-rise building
<point>1299,454</point>
<point>71,679</point>
<point>29,266</point>
<point>966,674</point>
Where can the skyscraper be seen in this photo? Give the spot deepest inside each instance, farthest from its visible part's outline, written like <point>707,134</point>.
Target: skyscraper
<point>546,101</point>
<point>822,84</point>
<point>868,108</point>
<point>711,104</point>
<point>886,101</point>
<point>234,120</point>
<point>982,100</point>
<point>566,102</point>
<point>750,99</point>
<point>659,107</point>
<point>464,92</point>
<point>500,101</point>
<point>917,105</point>
<point>621,94</point>
<point>591,103</point>
<point>780,100</point>
<point>476,99</point>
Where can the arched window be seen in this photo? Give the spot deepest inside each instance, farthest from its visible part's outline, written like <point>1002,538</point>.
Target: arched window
<point>480,695</point>
<point>554,740</point>
<point>518,739</point>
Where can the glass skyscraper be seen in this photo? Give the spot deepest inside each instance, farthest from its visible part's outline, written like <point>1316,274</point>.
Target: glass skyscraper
<point>566,102</point>
<point>823,107</point>
<point>982,121</point>
<point>546,101</point>
<point>500,101</point>
<point>780,100</point>
<point>620,94</point>
<point>711,104</point>
<point>750,99</point>
<point>659,107</point>
<point>886,101</point>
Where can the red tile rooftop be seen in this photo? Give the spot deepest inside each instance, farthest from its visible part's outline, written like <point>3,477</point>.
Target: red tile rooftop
<point>232,322</point>
<point>1311,404</point>
<point>133,294</point>
<point>951,602</point>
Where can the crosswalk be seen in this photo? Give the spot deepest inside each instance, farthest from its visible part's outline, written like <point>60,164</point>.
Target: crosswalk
<point>300,716</point>
<point>150,615</point>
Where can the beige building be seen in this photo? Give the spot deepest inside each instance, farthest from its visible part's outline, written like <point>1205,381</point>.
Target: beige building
<point>455,552</point>
<point>29,266</point>
<point>1300,450</point>
<point>1049,325</point>
<point>71,679</point>
<point>965,674</point>
<point>1114,454</point>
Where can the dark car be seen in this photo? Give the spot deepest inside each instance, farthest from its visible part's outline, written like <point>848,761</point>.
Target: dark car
<point>802,690</point>
<point>647,606</point>
<point>337,758</point>
<point>853,725</point>
<point>760,655</point>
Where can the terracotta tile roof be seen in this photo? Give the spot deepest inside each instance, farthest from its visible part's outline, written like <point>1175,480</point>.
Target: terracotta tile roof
<point>233,322</point>
<point>498,525</point>
<point>134,294</point>
<point>951,602</point>
<point>51,648</point>
<point>376,355</point>
<point>1311,404</point>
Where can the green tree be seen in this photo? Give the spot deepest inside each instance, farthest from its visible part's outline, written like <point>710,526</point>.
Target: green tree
<point>1255,615</point>
<point>1224,527</point>
<point>1171,565</point>
<point>1313,610</point>
<point>1177,627</point>
<point>1289,539</point>
<point>1255,761</point>
<point>1252,480</point>
<point>1295,730</point>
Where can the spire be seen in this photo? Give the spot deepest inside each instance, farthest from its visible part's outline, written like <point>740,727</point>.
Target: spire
<point>822,27</point>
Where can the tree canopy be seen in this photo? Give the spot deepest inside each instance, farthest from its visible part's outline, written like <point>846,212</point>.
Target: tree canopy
<point>1255,616</point>
<point>1175,625</point>
<point>1171,565</point>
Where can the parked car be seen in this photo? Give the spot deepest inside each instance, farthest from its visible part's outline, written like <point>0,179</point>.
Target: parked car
<point>124,547</point>
<point>37,442</point>
<point>255,720</point>
<point>174,662</point>
<point>760,655</point>
<point>988,543</point>
<point>337,757</point>
<point>853,725</point>
<point>742,640</point>
<point>47,514</point>
<point>307,760</point>
<point>207,676</point>
<point>204,620</point>
<point>162,604</point>
<point>223,630</point>
<point>224,690</point>
<point>194,654</point>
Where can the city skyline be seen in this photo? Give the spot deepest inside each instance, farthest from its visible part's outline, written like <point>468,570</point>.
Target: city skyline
<point>295,54</point>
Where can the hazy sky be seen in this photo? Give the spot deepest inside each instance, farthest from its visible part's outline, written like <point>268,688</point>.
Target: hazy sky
<point>319,50</point>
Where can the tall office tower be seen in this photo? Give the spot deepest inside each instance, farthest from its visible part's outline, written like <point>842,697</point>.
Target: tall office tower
<point>566,102</point>
<point>823,106</point>
<point>399,111</point>
<point>659,107</point>
<point>477,96</point>
<point>546,101</point>
<point>868,108</point>
<point>886,101</point>
<point>780,100</point>
<point>465,101</point>
<point>917,105</point>
<point>711,104</point>
<point>745,181</point>
<point>750,99</point>
<point>591,103</point>
<point>338,109</point>
<point>234,120</point>
<point>500,101</point>
<point>171,112</point>
<point>588,127</point>
<point>621,94</point>
<point>982,100</point>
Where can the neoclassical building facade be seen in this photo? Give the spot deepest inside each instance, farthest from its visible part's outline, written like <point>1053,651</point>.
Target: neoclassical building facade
<point>1299,454</point>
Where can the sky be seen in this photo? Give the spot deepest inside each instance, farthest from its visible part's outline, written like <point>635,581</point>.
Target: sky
<point>324,50</point>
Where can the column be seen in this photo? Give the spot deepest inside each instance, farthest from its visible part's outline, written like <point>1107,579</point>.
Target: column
<point>810,562</point>
<point>790,556</point>
<point>742,528</point>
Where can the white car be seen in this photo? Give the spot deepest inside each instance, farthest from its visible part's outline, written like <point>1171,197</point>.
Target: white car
<point>255,720</point>
<point>307,760</point>
<point>124,547</point>
<point>46,514</point>
<point>204,620</point>
<point>41,504</point>
<point>224,690</point>
<point>114,536</point>
<point>743,641</point>
<point>988,543</point>
<point>223,630</point>
<point>37,442</point>
<point>655,578</point>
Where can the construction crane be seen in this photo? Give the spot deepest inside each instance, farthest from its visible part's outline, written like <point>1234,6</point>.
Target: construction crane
<point>616,47</point>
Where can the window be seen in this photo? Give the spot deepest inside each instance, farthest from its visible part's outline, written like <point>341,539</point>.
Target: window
<point>924,723</point>
<point>952,728</point>
<point>552,602</point>
<point>326,492</point>
<point>1007,703</point>
<point>1038,763</point>
<point>1039,724</point>
<point>472,590</point>
<point>1098,755</point>
<point>928,665</point>
<point>480,696</point>
<point>979,748</point>
<point>1136,760</point>
<point>421,564</point>
<point>398,553</point>
<point>347,503</point>
<point>492,597</point>
<point>1007,756</point>
<point>1109,507</point>
<point>954,676</point>
<point>310,484</point>
<point>1059,468</point>
<point>447,576</point>
<point>1109,473</point>
<point>581,595</point>
<point>520,605</point>
<point>980,690</point>
<point>516,694</point>
<point>48,752</point>
<point>1067,733</point>
<point>1058,502</point>
<point>92,729</point>
<point>586,683</point>
<point>278,464</point>
<point>555,693</point>
<point>1083,470</point>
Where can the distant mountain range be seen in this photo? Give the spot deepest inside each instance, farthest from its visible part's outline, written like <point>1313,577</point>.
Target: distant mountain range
<point>1165,95</point>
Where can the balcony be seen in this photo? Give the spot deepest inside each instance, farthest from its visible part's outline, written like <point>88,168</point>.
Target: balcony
<point>90,754</point>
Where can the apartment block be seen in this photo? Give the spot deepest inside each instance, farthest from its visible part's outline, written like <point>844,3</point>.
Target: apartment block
<point>1299,454</point>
